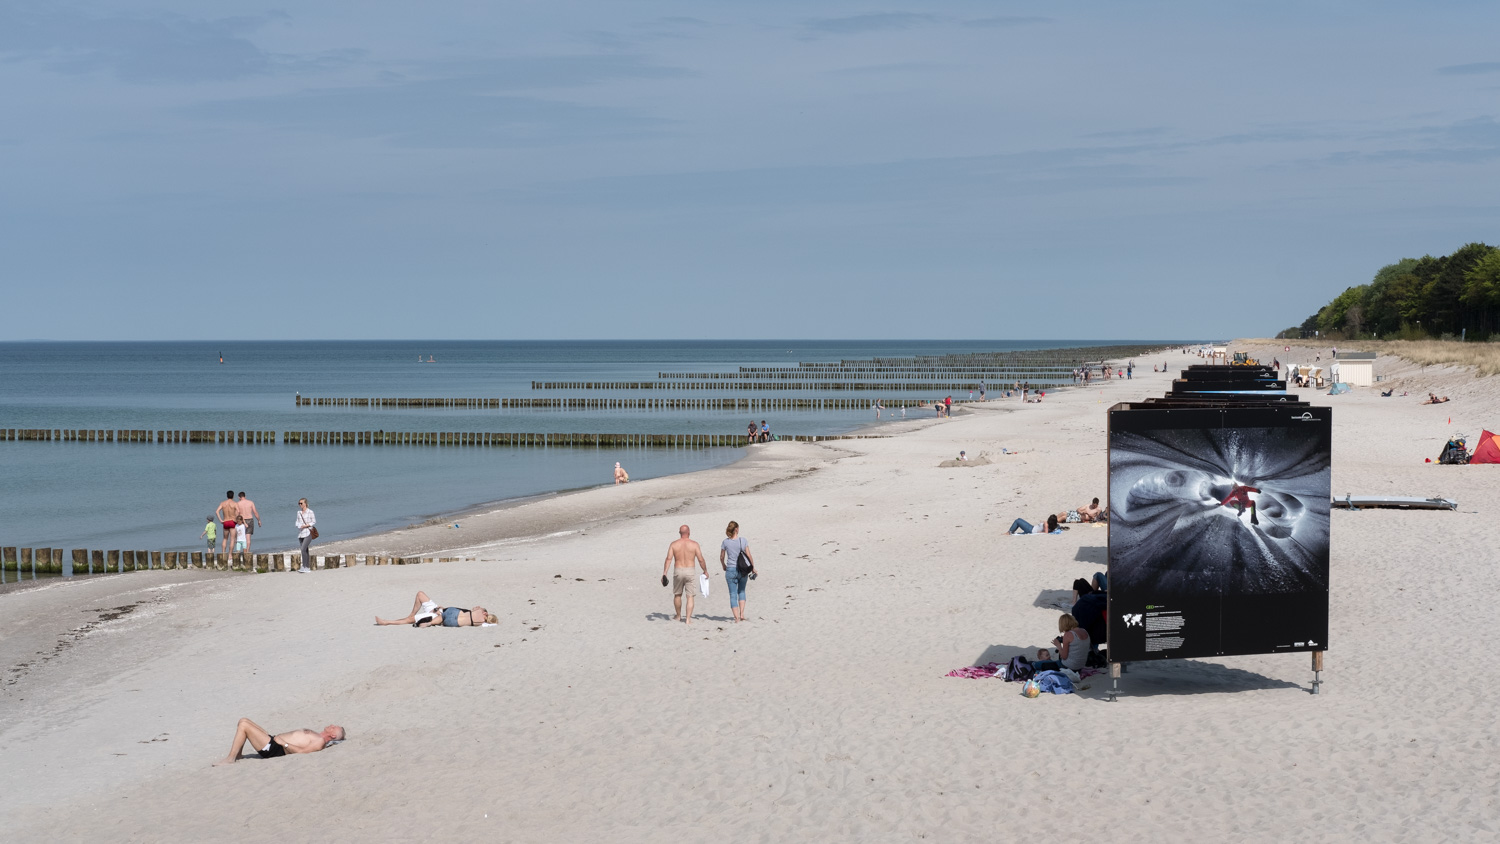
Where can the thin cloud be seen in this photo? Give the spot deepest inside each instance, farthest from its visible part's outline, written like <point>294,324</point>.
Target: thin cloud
<point>464,113</point>
<point>1002,21</point>
<point>137,48</point>
<point>1470,69</point>
<point>875,22</point>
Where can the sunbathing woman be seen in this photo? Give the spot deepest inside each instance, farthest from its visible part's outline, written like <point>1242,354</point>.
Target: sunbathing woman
<point>1432,399</point>
<point>426,613</point>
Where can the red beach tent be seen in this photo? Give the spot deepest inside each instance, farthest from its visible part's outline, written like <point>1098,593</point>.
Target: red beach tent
<point>1488,449</point>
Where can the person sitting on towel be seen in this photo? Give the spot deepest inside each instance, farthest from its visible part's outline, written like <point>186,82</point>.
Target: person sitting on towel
<point>1072,647</point>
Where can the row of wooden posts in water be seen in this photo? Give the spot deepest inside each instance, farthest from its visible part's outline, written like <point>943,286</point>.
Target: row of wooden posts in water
<point>134,436</point>
<point>611,404</point>
<point>928,387</point>
<point>53,561</point>
<point>992,376</point>
<point>434,438</point>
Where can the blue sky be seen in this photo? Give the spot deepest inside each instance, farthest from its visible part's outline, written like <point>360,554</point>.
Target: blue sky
<point>661,169</point>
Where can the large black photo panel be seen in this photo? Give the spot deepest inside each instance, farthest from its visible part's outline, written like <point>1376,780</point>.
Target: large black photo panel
<point>1218,531</point>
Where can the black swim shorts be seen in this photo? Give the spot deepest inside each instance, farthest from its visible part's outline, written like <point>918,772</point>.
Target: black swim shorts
<point>272,750</point>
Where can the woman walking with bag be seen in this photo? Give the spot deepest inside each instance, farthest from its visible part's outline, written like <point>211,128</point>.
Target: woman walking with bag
<point>739,567</point>
<point>307,531</point>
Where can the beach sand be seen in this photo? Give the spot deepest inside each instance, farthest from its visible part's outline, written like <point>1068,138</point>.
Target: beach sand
<point>587,715</point>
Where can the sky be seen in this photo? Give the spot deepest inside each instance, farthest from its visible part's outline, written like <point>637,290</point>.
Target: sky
<point>657,170</point>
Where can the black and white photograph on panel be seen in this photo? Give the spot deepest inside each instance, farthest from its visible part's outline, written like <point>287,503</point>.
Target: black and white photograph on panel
<point>1219,531</point>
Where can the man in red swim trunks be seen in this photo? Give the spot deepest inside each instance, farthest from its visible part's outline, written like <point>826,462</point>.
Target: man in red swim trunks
<point>229,514</point>
<point>1239,499</point>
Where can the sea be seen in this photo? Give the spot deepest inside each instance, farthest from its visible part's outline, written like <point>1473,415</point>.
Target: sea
<point>157,496</point>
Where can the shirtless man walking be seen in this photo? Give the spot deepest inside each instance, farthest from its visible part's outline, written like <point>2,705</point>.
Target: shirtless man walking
<point>267,746</point>
<point>229,514</point>
<point>249,517</point>
<point>682,555</point>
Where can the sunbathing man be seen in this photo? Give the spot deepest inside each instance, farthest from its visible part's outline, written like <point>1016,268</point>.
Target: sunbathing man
<point>1239,499</point>
<point>267,746</point>
<point>426,613</point>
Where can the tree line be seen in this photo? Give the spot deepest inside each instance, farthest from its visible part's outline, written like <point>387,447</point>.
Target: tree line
<point>1449,297</point>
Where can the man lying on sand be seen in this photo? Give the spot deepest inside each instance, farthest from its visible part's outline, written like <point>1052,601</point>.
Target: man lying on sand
<point>426,613</point>
<point>1432,399</point>
<point>267,746</point>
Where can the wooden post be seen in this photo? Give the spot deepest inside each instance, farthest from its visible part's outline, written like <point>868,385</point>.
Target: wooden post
<point>1317,667</point>
<point>156,562</point>
<point>1114,679</point>
<point>42,561</point>
<point>96,560</point>
<point>8,559</point>
<point>80,561</point>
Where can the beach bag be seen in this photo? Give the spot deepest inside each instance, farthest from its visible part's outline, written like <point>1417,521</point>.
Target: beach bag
<point>703,585</point>
<point>1032,689</point>
<point>741,562</point>
<point>1019,670</point>
<point>312,532</point>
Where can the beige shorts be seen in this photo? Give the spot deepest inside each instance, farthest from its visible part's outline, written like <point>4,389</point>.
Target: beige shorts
<point>685,583</point>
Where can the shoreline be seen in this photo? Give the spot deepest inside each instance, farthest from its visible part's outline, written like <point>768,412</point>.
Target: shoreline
<point>883,567</point>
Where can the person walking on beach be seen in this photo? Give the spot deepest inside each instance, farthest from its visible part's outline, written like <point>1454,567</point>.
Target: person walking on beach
<point>210,532</point>
<point>249,517</point>
<point>621,476</point>
<point>229,515</point>
<point>735,576</point>
<point>305,526</point>
<point>682,557</point>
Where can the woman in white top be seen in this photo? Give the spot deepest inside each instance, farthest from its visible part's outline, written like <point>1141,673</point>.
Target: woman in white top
<point>305,521</point>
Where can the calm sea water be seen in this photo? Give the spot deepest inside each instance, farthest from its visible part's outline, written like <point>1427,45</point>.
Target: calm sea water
<point>122,495</point>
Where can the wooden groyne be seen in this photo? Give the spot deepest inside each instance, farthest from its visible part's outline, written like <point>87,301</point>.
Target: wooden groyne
<point>750,404</point>
<point>134,436</point>
<point>806,386</point>
<point>455,438</point>
<point>22,562</point>
<point>551,440</point>
<point>997,376</point>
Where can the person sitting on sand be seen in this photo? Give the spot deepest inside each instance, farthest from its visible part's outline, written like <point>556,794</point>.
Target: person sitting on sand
<point>1072,647</point>
<point>267,746</point>
<point>963,455</point>
<point>1090,607</point>
<point>1432,399</point>
<point>1023,526</point>
<point>426,613</point>
<point>621,476</point>
<point>1387,394</point>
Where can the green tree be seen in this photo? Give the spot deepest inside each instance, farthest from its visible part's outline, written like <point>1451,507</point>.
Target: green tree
<point>1334,315</point>
<point>1482,290</point>
<point>1382,310</point>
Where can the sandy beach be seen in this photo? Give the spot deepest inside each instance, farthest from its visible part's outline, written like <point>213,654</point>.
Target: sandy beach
<point>587,715</point>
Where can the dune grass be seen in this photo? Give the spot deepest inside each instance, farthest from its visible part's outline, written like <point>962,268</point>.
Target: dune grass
<point>1484,357</point>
